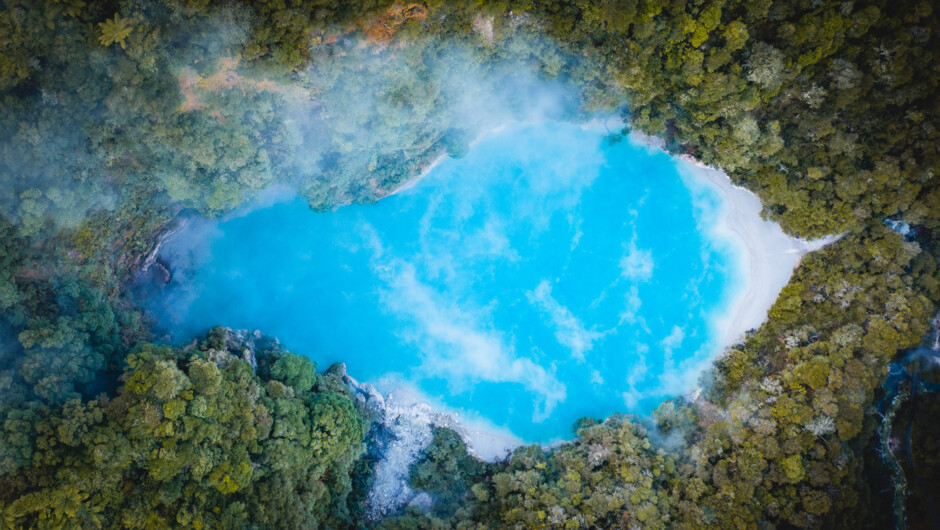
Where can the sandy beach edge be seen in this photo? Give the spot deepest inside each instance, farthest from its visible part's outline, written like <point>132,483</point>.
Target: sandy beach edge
<point>768,254</point>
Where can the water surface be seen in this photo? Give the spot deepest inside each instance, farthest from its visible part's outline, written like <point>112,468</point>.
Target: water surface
<point>547,275</point>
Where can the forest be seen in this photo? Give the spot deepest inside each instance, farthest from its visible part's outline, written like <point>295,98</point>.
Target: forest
<point>116,116</point>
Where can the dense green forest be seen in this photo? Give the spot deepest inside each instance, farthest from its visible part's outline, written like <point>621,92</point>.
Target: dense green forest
<point>196,437</point>
<point>117,115</point>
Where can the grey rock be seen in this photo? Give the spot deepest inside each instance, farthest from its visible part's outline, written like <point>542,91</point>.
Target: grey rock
<point>396,439</point>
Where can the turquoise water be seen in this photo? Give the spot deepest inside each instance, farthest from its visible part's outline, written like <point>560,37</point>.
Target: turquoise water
<point>546,276</point>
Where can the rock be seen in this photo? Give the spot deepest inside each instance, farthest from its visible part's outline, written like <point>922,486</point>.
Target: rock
<point>900,227</point>
<point>150,258</point>
<point>422,501</point>
<point>395,440</point>
<point>483,26</point>
<point>398,434</point>
<point>246,343</point>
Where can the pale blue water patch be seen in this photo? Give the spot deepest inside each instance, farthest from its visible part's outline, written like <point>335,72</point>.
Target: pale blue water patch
<point>546,276</point>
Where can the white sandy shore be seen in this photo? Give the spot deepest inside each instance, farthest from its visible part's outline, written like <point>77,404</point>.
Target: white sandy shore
<point>768,255</point>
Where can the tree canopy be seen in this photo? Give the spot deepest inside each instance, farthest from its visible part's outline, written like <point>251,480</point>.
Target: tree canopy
<point>116,116</point>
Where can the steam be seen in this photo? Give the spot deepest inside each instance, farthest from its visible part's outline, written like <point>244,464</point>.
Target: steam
<point>206,128</point>
<point>363,121</point>
<point>387,114</point>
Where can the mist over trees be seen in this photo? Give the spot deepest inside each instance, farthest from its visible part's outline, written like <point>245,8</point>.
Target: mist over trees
<point>115,116</point>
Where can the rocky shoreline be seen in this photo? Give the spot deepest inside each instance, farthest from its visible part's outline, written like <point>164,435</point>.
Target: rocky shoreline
<point>398,432</point>
<point>397,435</point>
<point>395,440</point>
<point>151,259</point>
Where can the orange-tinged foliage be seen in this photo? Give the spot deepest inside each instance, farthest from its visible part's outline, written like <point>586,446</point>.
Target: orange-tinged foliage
<point>225,77</point>
<point>380,28</point>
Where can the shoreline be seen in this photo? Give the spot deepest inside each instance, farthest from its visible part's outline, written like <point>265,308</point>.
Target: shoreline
<point>595,122</point>
<point>767,255</point>
<point>412,182</point>
<point>403,426</point>
<point>767,258</point>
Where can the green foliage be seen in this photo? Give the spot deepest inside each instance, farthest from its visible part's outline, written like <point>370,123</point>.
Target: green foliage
<point>827,110</point>
<point>115,30</point>
<point>193,439</point>
<point>446,471</point>
<point>295,372</point>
